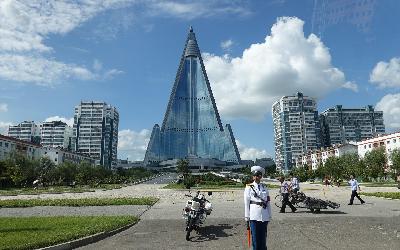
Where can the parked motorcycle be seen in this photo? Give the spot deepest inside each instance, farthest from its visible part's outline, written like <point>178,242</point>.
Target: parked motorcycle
<point>196,211</point>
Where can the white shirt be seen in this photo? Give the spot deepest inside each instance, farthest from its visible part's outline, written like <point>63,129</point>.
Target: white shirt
<point>254,211</point>
<point>295,183</point>
<point>354,184</point>
<point>284,187</point>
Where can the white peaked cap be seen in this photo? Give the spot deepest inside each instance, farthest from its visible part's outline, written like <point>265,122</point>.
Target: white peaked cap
<point>257,169</point>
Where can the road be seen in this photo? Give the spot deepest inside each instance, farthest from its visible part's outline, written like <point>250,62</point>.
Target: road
<point>375,225</point>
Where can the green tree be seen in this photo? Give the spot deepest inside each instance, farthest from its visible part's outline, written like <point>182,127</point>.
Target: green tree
<point>375,161</point>
<point>334,167</point>
<point>351,165</point>
<point>183,166</point>
<point>395,158</point>
<point>46,171</point>
<point>303,173</point>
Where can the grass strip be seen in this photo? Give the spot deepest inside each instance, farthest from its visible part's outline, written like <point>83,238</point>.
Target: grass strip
<point>393,195</point>
<point>379,184</point>
<point>59,189</point>
<point>78,202</point>
<point>37,232</point>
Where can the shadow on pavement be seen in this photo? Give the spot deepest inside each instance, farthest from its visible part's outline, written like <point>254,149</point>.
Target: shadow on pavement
<point>320,212</point>
<point>212,232</point>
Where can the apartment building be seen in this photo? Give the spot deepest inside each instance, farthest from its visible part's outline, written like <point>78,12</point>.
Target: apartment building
<point>95,132</point>
<point>26,131</point>
<point>340,125</point>
<point>56,134</point>
<point>296,129</point>
<point>389,142</point>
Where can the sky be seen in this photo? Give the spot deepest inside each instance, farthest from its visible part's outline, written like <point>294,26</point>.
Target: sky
<point>55,54</point>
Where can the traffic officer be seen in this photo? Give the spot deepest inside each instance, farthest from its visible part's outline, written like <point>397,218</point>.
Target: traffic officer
<point>257,209</point>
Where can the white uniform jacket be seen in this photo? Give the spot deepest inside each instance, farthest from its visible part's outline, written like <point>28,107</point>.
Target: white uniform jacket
<point>254,211</point>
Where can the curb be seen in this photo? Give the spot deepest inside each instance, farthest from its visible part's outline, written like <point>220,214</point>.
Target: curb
<point>92,238</point>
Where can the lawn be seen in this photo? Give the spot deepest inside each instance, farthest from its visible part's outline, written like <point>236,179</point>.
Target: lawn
<point>393,195</point>
<point>379,184</point>
<point>58,189</point>
<point>37,232</point>
<point>78,202</point>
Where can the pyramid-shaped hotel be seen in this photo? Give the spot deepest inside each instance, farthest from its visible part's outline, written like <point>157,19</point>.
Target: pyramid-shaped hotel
<point>192,127</point>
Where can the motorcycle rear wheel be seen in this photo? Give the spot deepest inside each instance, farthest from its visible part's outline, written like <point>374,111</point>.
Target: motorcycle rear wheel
<point>189,228</point>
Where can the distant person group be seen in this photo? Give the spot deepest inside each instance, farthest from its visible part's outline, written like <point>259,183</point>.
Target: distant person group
<point>257,203</point>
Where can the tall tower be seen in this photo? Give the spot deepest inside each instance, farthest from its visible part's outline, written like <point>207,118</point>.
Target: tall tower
<point>192,126</point>
<point>96,132</point>
<point>296,129</point>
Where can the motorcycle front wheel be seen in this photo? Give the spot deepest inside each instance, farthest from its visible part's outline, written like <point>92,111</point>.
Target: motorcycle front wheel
<point>189,228</point>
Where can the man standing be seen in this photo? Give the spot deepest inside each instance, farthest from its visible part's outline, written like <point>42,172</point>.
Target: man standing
<point>294,183</point>
<point>257,209</point>
<point>354,186</point>
<point>285,195</point>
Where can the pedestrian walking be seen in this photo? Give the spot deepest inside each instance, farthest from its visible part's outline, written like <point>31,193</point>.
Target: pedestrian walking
<point>257,209</point>
<point>354,186</point>
<point>285,195</point>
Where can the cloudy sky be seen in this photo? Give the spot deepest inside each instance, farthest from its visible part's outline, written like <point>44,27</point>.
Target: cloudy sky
<point>55,53</point>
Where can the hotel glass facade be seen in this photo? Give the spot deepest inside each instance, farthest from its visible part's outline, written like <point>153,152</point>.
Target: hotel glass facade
<point>192,126</point>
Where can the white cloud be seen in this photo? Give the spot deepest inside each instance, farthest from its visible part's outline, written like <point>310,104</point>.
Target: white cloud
<point>24,27</point>
<point>39,69</point>
<point>386,74</point>
<point>350,85</point>
<point>4,127</point>
<point>132,144</point>
<point>197,9</point>
<point>249,153</point>
<point>227,45</point>
<point>69,122</point>
<point>285,63</point>
<point>3,107</point>
<point>390,105</point>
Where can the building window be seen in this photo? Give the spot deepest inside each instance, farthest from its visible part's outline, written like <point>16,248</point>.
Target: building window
<point>394,140</point>
<point>365,146</point>
<point>369,146</point>
<point>6,144</point>
<point>55,159</point>
<point>388,142</point>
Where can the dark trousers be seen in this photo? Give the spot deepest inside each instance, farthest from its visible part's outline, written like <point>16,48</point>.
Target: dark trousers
<point>285,201</point>
<point>259,234</point>
<point>354,193</point>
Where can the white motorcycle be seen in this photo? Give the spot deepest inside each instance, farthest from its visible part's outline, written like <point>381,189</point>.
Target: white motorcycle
<point>196,211</point>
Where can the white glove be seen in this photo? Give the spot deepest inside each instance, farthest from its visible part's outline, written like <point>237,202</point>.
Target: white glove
<point>246,218</point>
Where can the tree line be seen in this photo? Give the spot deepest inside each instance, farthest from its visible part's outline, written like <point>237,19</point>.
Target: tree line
<point>372,167</point>
<point>19,171</point>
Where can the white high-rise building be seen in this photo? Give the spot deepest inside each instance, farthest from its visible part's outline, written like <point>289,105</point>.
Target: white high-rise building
<point>56,134</point>
<point>95,132</point>
<point>26,131</point>
<point>296,129</point>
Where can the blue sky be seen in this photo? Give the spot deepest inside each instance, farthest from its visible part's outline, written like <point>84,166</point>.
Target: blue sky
<point>53,54</point>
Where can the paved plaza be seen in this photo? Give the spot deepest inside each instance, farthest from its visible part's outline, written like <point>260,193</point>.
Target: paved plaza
<point>374,225</point>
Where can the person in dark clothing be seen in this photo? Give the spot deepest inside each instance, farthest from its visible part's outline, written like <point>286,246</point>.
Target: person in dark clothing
<point>285,196</point>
